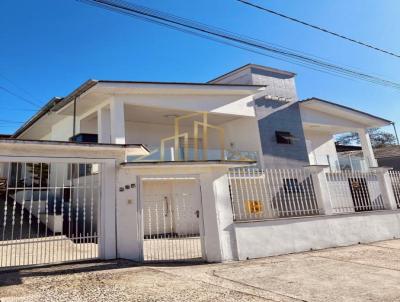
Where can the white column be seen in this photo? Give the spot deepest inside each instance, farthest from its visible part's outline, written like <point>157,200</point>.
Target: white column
<point>385,183</point>
<point>321,188</point>
<point>104,125</point>
<point>106,223</point>
<point>367,147</point>
<point>220,244</point>
<point>117,118</point>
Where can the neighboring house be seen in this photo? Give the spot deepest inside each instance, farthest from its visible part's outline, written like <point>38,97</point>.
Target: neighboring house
<point>166,171</point>
<point>388,156</point>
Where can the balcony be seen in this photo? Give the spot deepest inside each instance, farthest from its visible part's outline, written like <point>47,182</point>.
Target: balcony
<point>179,135</point>
<point>341,162</point>
<point>169,154</point>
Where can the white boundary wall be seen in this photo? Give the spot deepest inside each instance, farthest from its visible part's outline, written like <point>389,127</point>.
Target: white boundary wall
<point>284,236</point>
<point>217,226</point>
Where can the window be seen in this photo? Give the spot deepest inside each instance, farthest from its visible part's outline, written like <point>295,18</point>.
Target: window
<point>284,137</point>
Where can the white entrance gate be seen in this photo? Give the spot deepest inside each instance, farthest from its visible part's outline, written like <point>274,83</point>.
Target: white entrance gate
<point>172,220</point>
<point>49,211</point>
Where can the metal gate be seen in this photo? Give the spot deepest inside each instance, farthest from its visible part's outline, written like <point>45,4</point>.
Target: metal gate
<point>48,212</point>
<point>395,178</point>
<point>171,220</point>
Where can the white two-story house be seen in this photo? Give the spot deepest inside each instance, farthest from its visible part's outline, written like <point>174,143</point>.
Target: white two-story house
<point>234,168</point>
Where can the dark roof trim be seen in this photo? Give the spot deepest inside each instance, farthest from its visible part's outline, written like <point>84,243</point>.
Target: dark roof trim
<point>180,83</point>
<point>54,104</point>
<point>67,143</point>
<point>45,109</point>
<point>345,107</point>
<point>252,66</point>
<point>76,93</point>
<point>189,162</point>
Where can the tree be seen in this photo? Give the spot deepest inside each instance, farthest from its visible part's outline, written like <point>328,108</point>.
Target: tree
<point>379,138</point>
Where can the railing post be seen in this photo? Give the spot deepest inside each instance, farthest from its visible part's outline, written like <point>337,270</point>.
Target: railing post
<point>386,186</point>
<point>321,188</point>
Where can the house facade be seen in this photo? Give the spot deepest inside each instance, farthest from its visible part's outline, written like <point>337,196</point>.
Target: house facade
<point>234,168</point>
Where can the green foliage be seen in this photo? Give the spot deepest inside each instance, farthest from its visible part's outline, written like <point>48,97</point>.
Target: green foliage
<point>379,138</point>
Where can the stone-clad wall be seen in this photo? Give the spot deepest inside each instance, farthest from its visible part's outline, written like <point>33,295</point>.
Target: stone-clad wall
<point>276,110</point>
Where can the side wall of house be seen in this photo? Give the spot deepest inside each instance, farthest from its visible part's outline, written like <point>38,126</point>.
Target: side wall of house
<point>62,130</point>
<point>320,146</point>
<point>393,162</point>
<point>276,110</point>
<point>279,111</point>
<point>150,134</point>
<point>242,135</point>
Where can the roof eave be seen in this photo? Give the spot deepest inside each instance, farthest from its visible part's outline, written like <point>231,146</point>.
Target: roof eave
<point>250,65</point>
<point>345,107</point>
<point>76,93</point>
<point>38,115</point>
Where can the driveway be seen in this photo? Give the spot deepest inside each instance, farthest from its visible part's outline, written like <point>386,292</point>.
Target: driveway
<point>357,273</point>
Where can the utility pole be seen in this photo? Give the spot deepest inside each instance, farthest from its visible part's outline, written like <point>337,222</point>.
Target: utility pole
<point>395,133</point>
<point>74,120</point>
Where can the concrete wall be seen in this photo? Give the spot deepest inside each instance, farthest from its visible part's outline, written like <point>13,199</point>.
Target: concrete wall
<point>278,85</point>
<point>150,134</point>
<point>284,236</point>
<point>279,111</point>
<point>241,77</point>
<point>393,162</point>
<point>216,209</point>
<point>62,130</point>
<point>88,125</point>
<point>277,116</point>
<point>275,110</point>
<point>242,135</point>
<point>320,145</point>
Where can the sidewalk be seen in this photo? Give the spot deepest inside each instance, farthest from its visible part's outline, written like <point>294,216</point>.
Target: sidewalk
<point>357,273</point>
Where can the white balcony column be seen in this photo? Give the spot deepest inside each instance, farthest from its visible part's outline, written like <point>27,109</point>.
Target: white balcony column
<point>117,119</point>
<point>104,125</point>
<point>367,148</point>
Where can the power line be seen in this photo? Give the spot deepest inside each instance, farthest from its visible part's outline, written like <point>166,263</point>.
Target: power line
<point>10,122</point>
<point>319,28</point>
<point>17,86</point>
<point>236,40</point>
<point>19,96</point>
<point>18,109</point>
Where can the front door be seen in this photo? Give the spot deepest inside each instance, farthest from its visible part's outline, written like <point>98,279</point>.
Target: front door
<point>171,220</point>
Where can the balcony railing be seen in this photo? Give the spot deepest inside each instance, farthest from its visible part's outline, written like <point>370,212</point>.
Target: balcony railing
<point>212,154</point>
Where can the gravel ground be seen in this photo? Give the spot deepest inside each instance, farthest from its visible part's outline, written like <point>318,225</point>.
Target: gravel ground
<point>357,273</point>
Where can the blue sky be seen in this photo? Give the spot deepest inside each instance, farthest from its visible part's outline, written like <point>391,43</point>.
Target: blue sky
<point>48,48</point>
